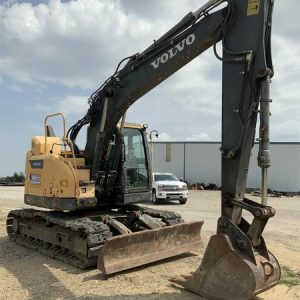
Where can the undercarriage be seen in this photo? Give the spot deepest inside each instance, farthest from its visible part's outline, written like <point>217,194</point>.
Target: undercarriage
<point>77,238</point>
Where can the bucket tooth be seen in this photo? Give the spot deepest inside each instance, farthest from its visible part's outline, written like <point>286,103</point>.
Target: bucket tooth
<point>128,251</point>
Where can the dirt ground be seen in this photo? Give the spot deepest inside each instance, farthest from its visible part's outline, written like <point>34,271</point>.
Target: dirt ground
<point>25,274</point>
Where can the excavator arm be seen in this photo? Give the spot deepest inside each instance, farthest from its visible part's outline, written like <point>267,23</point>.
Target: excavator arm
<point>237,264</point>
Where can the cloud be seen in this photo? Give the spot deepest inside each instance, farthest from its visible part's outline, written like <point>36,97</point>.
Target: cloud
<point>69,105</point>
<point>73,105</point>
<point>66,43</point>
<point>43,108</point>
<point>286,131</point>
<point>165,137</point>
<point>199,136</point>
<point>54,54</point>
<point>77,45</point>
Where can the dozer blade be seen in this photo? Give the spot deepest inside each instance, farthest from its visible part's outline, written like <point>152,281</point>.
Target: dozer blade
<point>128,251</point>
<point>226,273</point>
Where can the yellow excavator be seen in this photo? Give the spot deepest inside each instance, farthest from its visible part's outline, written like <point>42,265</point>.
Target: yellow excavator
<point>92,194</point>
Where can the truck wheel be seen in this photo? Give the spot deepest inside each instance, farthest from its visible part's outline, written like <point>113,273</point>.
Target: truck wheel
<point>154,199</point>
<point>182,201</point>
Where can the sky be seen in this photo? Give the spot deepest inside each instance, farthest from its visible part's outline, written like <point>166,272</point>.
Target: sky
<point>54,54</point>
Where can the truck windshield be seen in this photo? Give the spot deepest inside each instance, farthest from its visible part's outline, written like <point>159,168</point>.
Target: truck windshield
<point>165,177</point>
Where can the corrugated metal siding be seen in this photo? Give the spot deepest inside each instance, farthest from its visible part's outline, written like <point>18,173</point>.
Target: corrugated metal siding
<point>201,162</point>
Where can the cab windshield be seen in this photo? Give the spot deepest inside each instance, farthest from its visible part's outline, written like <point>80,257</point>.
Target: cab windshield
<point>165,177</point>
<point>135,160</point>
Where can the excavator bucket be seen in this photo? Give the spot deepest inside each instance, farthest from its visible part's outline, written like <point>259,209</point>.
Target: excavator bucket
<point>139,248</point>
<point>227,273</point>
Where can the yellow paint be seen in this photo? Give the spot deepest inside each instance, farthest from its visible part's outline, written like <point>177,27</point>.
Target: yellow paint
<point>56,178</point>
<point>131,125</point>
<point>61,174</point>
<point>38,145</point>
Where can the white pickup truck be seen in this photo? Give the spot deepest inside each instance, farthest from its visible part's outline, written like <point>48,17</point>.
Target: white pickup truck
<point>166,186</point>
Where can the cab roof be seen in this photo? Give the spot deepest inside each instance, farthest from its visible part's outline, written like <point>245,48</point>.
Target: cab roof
<point>132,125</point>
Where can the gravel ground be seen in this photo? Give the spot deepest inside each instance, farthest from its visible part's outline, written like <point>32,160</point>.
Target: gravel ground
<point>25,274</point>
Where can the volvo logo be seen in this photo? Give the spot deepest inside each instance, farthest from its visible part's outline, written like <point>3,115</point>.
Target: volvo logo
<point>173,51</point>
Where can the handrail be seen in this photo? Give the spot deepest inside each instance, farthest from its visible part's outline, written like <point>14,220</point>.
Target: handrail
<point>66,141</point>
<point>64,136</point>
<point>70,143</point>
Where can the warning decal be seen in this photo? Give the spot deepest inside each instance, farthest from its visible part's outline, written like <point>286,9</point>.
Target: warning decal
<point>253,7</point>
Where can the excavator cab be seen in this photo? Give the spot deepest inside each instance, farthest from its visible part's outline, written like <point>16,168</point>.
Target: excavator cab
<point>133,184</point>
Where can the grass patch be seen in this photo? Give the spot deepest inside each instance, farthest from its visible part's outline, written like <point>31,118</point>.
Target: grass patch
<point>289,277</point>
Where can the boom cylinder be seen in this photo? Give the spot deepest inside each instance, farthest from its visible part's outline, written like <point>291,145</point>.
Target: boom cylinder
<point>99,140</point>
<point>264,153</point>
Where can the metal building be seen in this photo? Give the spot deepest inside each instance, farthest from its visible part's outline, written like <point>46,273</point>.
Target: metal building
<point>201,162</point>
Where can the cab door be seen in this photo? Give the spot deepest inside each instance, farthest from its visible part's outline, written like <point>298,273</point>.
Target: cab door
<point>136,160</point>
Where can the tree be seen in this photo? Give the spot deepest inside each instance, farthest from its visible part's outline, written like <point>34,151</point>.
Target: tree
<point>17,177</point>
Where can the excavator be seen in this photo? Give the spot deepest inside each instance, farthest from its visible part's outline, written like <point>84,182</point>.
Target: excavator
<point>90,198</point>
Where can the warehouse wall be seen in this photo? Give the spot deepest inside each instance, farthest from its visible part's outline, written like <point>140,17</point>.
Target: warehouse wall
<point>284,173</point>
<point>201,162</point>
<point>175,165</point>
